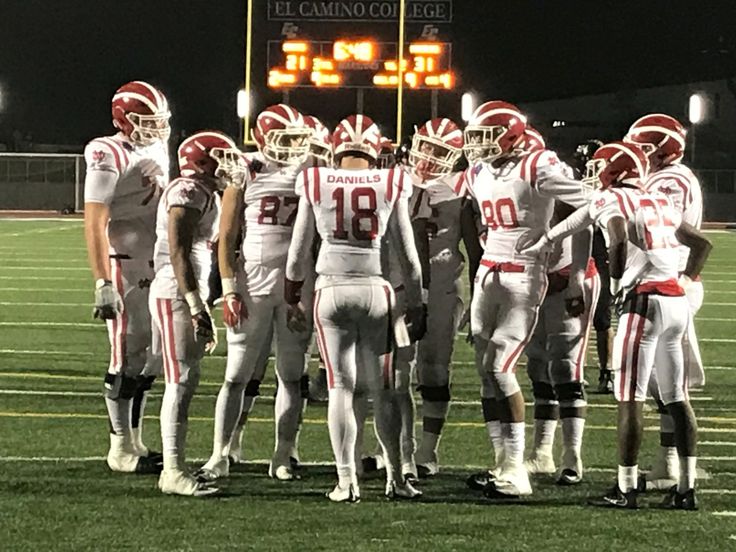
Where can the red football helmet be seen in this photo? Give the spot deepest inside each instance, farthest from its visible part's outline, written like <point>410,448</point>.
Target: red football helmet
<point>357,134</point>
<point>435,148</point>
<point>533,140</point>
<point>320,142</point>
<point>212,154</point>
<point>281,135</point>
<point>141,112</point>
<point>496,128</point>
<point>660,136</point>
<point>615,162</point>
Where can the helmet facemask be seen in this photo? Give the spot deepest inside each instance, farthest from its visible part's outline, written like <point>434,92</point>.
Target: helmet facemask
<point>149,129</point>
<point>431,157</point>
<point>481,142</point>
<point>320,153</point>
<point>592,177</point>
<point>287,146</point>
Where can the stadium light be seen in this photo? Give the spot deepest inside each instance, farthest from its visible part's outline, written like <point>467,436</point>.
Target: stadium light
<point>243,104</point>
<point>467,106</point>
<point>696,109</point>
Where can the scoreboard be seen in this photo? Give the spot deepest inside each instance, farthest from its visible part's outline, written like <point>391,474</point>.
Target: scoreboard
<point>359,63</point>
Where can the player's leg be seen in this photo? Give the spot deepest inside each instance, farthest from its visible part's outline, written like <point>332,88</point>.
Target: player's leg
<point>434,358</point>
<point>404,366</point>
<point>517,317</point>
<point>665,468</point>
<point>691,349</point>
<point>567,349</point>
<point>245,346</point>
<point>337,334</point>
<point>672,384</point>
<point>292,358</point>
<point>602,317</point>
<point>546,406</point>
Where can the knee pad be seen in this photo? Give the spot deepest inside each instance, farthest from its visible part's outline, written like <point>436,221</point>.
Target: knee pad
<point>544,393</point>
<point>435,394</point>
<point>507,383</point>
<point>145,383</point>
<point>252,389</point>
<point>120,386</point>
<point>304,386</point>
<point>571,394</point>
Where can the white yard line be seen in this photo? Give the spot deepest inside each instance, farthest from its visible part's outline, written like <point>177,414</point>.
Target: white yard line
<point>725,514</point>
<point>99,325</point>
<point>35,278</point>
<point>46,268</point>
<point>34,304</point>
<point>35,289</point>
<point>45,353</point>
<point>716,444</point>
<point>42,230</point>
<point>716,339</point>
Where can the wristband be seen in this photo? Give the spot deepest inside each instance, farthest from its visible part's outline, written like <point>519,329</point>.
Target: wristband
<point>425,296</point>
<point>195,302</point>
<point>101,282</point>
<point>228,286</point>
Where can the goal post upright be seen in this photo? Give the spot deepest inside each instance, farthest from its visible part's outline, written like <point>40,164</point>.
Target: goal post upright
<point>247,141</point>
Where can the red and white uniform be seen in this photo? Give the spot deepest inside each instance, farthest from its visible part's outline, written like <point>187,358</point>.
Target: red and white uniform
<point>655,315</point>
<point>513,199</point>
<point>271,204</point>
<point>681,186</point>
<point>127,179</point>
<point>352,211</point>
<point>173,336</point>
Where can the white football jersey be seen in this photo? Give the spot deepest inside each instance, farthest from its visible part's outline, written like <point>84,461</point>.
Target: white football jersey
<point>653,249</point>
<point>516,197</point>
<point>192,194</point>
<point>270,211</point>
<point>128,179</point>
<point>681,186</point>
<point>352,210</point>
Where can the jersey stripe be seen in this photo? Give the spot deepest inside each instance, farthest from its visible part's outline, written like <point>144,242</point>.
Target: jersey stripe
<point>682,181</point>
<point>117,151</point>
<point>306,180</point>
<point>390,185</point>
<point>621,204</point>
<point>514,357</point>
<point>316,196</point>
<point>458,187</point>
<point>401,183</point>
<point>164,350</point>
<point>637,342</point>
<point>171,342</point>
<point>534,159</point>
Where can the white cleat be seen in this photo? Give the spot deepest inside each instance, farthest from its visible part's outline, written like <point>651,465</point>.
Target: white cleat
<point>283,472</point>
<point>215,468</point>
<point>409,471</point>
<point>511,482</point>
<point>178,482</point>
<point>350,494</point>
<point>571,470</point>
<point>540,463</point>
<point>429,466</point>
<point>405,491</point>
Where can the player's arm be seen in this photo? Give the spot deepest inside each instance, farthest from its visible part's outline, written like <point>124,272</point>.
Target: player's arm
<point>421,240</point>
<point>301,249</point>
<point>617,247</point>
<point>230,227</point>
<point>535,244</point>
<point>96,217</point>
<point>700,248</point>
<point>580,252</point>
<point>471,240</point>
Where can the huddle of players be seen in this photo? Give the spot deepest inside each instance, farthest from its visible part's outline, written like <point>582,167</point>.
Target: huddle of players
<point>385,272</point>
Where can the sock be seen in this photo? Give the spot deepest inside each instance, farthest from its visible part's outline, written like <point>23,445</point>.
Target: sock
<point>360,411</point>
<point>236,441</point>
<point>404,401</point>
<point>627,478</point>
<point>294,452</point>
<point>433,421</point>
<point>138,408</point>
<point>513,442</point>
<point>287,410</point>
<point>572,433</point>
<point>387,421</point>
<point>687,473</point>
<point>228,408</point>
<point>343,430</point>
<point>494,433</point>
<point>544,435</point>
<point>118,411</point>
<point>174,418</point>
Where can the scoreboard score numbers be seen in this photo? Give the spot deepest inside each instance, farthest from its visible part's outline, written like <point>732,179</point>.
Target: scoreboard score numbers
<point>358,63</point>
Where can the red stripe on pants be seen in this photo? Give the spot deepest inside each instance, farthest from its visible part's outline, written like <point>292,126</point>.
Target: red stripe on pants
<point>321,342</point>
<point>171,345</point>
<point>161,332</point>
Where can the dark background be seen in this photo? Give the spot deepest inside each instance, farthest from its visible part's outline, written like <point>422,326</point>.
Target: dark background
<point>61,60</point>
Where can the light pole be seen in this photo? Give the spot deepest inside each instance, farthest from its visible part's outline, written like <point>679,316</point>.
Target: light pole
<point>467,106</point>
<point>695,114</point>
<point>243,107</point>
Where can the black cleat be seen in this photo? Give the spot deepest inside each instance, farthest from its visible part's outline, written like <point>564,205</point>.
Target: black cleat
<point>680,501</point>
<point>616,498</point>
<point>155,456</point>
<point>146,466</point>
<point>605,384</point>
<point>370,465</point>
<point>480,480</point>
<point>294,463</point>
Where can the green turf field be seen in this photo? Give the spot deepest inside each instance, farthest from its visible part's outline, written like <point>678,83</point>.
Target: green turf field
<point>56,492</point>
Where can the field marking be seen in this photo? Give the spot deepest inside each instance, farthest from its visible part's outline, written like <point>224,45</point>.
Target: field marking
<point>99,325</point>
<point>27,304</point>
<point>720,304</point>
<point>46,230</point>
<point>717,458</point>
<point>86,290</point>
<point>717,444</point>
<point>46,268</point>
<point>36,278</point>
<point>45,353</point>
<point>717,491</point>
<point>726,514</point>
<point>716,339</point>
<point>42,247</point>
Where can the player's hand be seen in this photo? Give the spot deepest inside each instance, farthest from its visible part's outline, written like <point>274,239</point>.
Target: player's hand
<point>296,318</point>
<point>108,303</point>
<point>416,322</point>
<point>234,310</point>
<point>465,322</point>
<point>574,298</point>
<point>534,243</point>
<point>617,301</point>
<point>684,282</point>
<point>205,330</point>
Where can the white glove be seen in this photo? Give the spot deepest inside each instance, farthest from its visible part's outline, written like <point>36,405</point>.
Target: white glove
<point>108,303</point>
<point>532,245</point>
<point>684,281</point>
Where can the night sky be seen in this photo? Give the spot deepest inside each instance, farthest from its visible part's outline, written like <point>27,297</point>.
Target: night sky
<point>61,60</point>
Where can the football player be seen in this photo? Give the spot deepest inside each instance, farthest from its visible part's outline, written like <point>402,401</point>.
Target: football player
<point>352,207</point>
<point>663,139</point>
<point>186,225</point>
<point>254,308</point>
<point>124,175</point>
<point>645,232</point>
<point>556,355</point>
<point>515,192</point>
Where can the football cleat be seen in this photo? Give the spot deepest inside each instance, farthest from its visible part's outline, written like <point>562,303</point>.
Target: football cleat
<point>282,472</point>
<point>396,491</point>
<point>428,469</point>
<point>478,481</point>
<point>372,464</point>
<point>680,501</point>
<point>215,468</point>
<point>179,482</point>
<point>351,494</point>
<point>605,383</point>
<point>616,498</point>
<point>540,463</point>
<point>510,483</point>
<point>571,470</point>
<point>409,472</point>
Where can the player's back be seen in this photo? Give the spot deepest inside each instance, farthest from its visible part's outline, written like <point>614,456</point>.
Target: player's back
<point>352,210</point>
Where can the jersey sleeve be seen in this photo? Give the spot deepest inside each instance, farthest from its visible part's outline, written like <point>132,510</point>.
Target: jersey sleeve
<point>419,207</point>
<point>675,187</point>
<point>462,182</point>
<point>185,193</point>
<point>548,176</point>
<point>604,206</point>
<point>104,165</point>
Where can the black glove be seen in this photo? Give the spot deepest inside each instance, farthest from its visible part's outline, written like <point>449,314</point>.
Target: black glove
<point>416,322</point>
